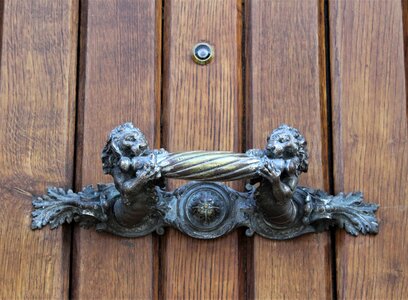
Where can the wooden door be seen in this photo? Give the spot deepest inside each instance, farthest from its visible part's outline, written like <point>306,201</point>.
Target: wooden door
<point>71,70</point>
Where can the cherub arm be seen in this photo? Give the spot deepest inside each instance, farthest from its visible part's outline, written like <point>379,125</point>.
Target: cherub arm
<point>132,181</point>
<point>124,182</point>
<point>282,188</point>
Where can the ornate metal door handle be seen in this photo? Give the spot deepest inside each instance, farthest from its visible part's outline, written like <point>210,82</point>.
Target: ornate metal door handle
<point>272,205</point>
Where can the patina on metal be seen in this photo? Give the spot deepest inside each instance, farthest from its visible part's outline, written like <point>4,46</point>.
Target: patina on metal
<point>272,205</point>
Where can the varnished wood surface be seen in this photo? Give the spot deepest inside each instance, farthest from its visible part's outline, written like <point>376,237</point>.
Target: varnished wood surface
<point>201,110</point>
<point>370,142</point>
<point>119,82</point>
<point>285,83</point>
<point>37,113</point>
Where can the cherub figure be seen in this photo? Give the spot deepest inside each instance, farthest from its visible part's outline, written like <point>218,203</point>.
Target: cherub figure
<point>284,159</point>
<point>127,157</point>
<point>287,159</point>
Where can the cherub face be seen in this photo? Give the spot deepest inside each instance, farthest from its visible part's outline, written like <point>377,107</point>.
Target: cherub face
<point>134,142</point>
<point>282,144</point>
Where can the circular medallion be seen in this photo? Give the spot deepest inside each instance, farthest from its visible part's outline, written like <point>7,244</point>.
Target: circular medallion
<point>205,210</point>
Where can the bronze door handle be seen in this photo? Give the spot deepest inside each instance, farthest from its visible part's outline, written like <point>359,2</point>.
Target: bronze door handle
<point>272,205</point>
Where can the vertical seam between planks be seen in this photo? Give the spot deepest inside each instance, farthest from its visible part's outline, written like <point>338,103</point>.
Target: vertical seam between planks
<point>79,120</point>
<point>247,136</point>
<point>161,239</point>
<point>158,245</point>
<point>404,9</point>
<point>243,241</point>
<point>67,231</point>
<point>1,31</point>
<point>330,141</point>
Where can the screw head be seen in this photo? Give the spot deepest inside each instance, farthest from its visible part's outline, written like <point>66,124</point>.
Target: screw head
<point>203,53</point>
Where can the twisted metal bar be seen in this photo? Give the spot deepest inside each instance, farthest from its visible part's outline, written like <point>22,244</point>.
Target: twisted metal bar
<point>209,165</point>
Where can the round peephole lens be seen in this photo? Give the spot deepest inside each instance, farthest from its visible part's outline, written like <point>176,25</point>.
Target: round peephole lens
<point>203,53</point>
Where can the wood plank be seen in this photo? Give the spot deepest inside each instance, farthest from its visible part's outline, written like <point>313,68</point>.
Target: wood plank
<point>120,82</point>
<point>37,113</point>
<point>370,139</point>
<point>286,84</point>
<point>202,108</point>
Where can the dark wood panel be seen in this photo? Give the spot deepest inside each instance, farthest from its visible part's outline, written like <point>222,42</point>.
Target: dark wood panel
<point>286,84</point>
<point>37,113</point>
<point>120,82</point>
<point>370,142</point>
<point>202,108</point>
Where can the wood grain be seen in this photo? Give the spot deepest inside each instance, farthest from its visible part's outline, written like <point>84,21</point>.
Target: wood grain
<point>286,84</point>
<point>370,139</point>
<point>37,113</point>
<point>202,109</point>
<point>120,82</point>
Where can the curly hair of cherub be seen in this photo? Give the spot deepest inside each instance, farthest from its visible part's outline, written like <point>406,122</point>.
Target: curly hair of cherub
<point>301,143</point>
<point>113,151</point>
